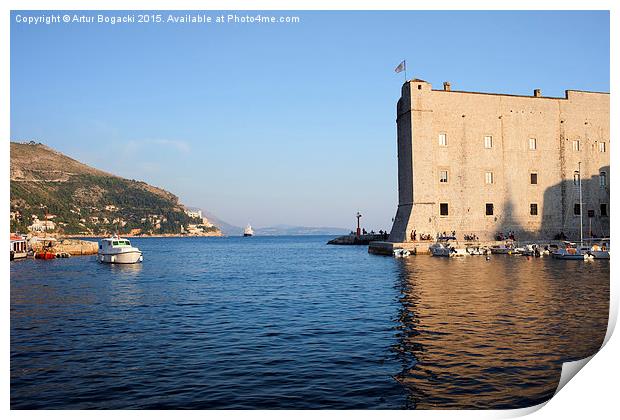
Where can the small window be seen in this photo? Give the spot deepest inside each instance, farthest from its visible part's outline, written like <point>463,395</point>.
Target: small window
<point>576,145</point>
<point>443,176</point>
<point>602,179</point>
<point>419,87</point>
<point>601,147</point>
<point>488,177</point>
<point>443,209</point>
<point>604,209</point>
<point>577,209</point>
<point>533,209</point>
<point>533,178</point>
<point>532,144</point>
<point>489,209</point>
<point>576,178</point>
<point>488,142</point>
<point>443,139</point>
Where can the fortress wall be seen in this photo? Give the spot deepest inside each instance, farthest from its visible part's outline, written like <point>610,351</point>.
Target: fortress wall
<point>465,118</point>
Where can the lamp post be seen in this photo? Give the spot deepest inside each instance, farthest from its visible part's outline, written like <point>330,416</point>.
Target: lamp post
<point>358,216</point>
<point>580,208</point>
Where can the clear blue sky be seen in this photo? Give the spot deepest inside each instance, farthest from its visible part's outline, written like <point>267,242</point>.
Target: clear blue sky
<point>281,123</point>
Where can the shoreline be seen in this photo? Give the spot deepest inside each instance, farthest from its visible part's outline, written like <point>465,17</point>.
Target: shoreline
<point>172,235</point>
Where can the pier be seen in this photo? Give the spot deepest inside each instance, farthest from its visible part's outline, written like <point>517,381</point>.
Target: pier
<point>358,239</point>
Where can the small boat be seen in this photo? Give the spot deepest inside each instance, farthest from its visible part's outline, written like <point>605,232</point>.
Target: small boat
<point>117,250</point>
<point>443,249</point>
<point>477,250</point>
<point>571,252</point>
<point>400,253</point>
<point>600,251</point>
<point>503,249</point>
<point>531,250</point>
<point>45,255</point>
<point>248,231</point>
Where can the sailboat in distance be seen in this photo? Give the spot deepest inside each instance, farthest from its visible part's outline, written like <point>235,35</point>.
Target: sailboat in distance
<point>248,231</point>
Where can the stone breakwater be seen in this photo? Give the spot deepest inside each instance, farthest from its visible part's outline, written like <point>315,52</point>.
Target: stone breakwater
<point>358,240</point>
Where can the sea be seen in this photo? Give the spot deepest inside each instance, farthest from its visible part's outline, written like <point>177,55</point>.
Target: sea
<point>293,323</point>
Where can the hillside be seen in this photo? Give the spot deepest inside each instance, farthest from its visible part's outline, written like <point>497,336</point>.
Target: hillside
<point>79,199</point>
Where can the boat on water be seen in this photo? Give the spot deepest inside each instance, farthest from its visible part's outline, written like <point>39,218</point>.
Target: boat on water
<point>572,252</point>
<point>400,253</point>
<point>504,249</point>
<point>444,249</point>
<point>531,250</point>
<point>45,255</point>
<point>19,247</point>
<point>248,231</point>
<point>477,250</point>
<point>600,251</point>
<point>117,250</point>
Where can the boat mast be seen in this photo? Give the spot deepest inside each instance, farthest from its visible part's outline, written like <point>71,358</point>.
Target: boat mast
<point>580,208</point>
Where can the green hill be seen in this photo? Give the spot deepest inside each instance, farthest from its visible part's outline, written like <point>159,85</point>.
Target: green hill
<point>79,199</point>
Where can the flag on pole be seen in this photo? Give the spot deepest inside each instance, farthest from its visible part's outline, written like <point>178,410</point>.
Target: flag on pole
<point>401,67</point>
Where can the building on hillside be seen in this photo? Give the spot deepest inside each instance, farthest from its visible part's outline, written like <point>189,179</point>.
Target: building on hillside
<point>483,163</point>
<point>41,226</point>
<point>194,213</point>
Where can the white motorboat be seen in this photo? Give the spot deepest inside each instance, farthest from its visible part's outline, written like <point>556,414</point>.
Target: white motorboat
<point>248,231</point>
<point>477,250</point>
<point>531,250</point>
<point>117,250</point>
<point>399,253</point>
<point>443,249</point>
<point>503,249</point>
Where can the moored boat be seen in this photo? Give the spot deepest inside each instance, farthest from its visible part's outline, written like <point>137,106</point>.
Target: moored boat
<point>600,250</point>
<point>531,250</point>
<point>117,250</point>
<point>477,250</point>
<point>399,253</point>
<point>45,255</point>
<point>571,252</point>
<point>503,249</point>
<point>443,249</point>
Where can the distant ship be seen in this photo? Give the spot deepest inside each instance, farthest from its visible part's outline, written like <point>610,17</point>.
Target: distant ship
<point>248,231</point>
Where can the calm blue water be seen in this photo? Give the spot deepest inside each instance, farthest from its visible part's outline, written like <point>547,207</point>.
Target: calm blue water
<point>289,322</point>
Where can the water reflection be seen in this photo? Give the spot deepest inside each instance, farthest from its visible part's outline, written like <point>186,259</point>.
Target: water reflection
<point>277,323</point>
<point>492,334</point>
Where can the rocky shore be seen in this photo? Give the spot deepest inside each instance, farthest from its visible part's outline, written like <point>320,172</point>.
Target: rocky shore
<point>65,245</point>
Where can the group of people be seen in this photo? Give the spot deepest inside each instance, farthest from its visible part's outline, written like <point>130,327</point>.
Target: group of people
<point>502,237</point>
<point>471,237</point>
<point>430,237</point>
<point>383,233</point>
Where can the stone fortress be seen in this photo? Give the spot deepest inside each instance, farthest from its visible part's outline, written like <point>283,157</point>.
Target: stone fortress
<point>482,163</point>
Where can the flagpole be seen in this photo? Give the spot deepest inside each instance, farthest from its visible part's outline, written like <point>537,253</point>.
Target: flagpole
<point>405,61</point>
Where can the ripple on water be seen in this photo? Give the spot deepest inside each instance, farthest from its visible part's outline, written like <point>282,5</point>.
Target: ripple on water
<point>292,323</point>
